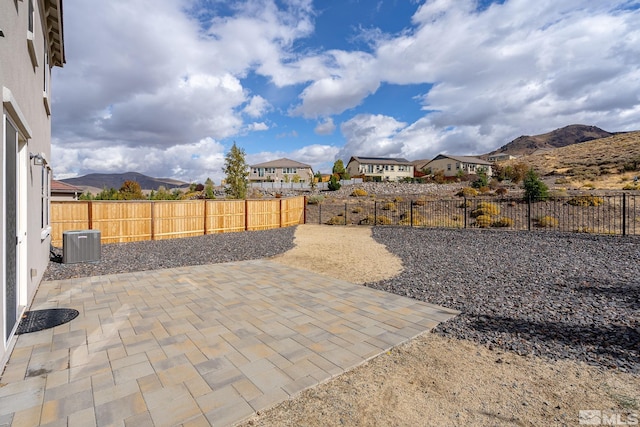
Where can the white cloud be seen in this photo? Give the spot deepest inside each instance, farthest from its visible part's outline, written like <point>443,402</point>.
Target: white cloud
<point>258,126</point>
<point>256,107</point>
<point>325,127</point>
<point>187,162</point>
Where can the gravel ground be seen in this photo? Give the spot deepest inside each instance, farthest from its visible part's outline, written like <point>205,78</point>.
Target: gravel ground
<point>156,254</point>
<point>557,296</point>
<point>560,296</point>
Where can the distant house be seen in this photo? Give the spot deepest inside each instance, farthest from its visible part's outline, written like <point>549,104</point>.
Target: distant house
<point>501,157</point>
<point>380,168</point>
<point>281,170</point>
<point>31,44</point>
<point>452,165</point>
<point>61,191</point>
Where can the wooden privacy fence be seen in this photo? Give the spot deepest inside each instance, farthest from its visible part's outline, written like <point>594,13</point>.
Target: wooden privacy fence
<point>130,221</point>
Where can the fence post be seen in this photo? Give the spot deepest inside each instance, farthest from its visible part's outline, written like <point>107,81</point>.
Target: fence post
<point>246,215</point>
<point>411,212</point>
<point>90,214</point>
<point>375,212</point>
<point>624,214</point>
<point>205,217</point>
<point>319,213</point>
<point>304,209</point>
<point>153,220</point>
<point>464,201</point>
<point>280,222</point>
<point>345,214</point>
<point>529,213</point>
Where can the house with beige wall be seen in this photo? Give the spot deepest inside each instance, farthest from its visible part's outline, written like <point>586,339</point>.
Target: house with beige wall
<point>63,192</point>
<point>31,43</point>
<point>380,168</point>
<point>452,165</point>
<point>280,170</point>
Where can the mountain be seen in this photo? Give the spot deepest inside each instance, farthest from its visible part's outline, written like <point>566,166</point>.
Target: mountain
<point>568,135</point>
<point>607,163</point>
<point>115,180</point>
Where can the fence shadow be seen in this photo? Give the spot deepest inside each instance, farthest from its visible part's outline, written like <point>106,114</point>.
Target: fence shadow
<point>613,340</point>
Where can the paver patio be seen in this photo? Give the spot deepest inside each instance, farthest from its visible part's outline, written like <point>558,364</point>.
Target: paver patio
<point>197,346</point>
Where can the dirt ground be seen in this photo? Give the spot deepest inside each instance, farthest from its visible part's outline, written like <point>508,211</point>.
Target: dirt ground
<point>433,380</point>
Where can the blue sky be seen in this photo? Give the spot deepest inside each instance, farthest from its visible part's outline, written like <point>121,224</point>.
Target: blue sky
<point>315,81</point>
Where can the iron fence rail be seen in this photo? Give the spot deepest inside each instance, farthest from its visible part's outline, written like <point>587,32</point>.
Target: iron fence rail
<point>608,214</point>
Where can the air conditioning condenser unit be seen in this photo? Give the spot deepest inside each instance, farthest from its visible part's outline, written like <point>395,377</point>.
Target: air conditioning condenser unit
<point>80,246</point>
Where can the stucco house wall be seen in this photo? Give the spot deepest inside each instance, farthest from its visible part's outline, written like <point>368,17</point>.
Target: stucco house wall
<point>32,43</point>
<point>451,165</point>
<point>281,170</point>
<point>386,169</point>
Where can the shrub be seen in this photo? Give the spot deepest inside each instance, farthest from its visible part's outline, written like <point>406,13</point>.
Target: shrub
<point>483,221</point>
<point>356,210</point>
<point>398,199</point>
<point>315,200</point>
<point>631,186</point>
<point>465,204</point>
<point>486,208</point>
<point>333,185</point>
<point>534,188</point>
<point>336,220</point>
<point>417,219</point>
<point>482,179</point>
<point>389,206</point>
<point>419,202</point>
<point>586,200</point>
<point>467,192</point>
<point>359,192</point>
<point>501,191</point>
<point>380,220</point>
<point>548,222</point>
<point>502,222</point>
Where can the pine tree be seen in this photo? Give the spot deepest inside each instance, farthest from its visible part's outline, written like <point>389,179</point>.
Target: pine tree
<point>237,171</point>
<point>208,189</point>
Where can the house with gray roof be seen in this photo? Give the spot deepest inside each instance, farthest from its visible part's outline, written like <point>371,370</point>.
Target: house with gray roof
<point>452,165</point>
<point>280,170</point>
<point>380,168</point>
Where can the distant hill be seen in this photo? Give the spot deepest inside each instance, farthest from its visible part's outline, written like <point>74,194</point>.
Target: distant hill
<point>610,162</point>
<point>568,135</point>
<point>115,180</point>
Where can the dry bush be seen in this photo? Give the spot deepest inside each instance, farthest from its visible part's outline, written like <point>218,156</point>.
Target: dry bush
<point>485,208</point>
<point>501,191</point>
<point>359,192</point>
<point>371,220</point>
<point>389,206</point>
<point>356,210</point>
<point>467,192</point>
<point>503,222</point>
<point>336,220</point>
<point>548,221</point>
<point>483,221</point>
<point>586,200</point>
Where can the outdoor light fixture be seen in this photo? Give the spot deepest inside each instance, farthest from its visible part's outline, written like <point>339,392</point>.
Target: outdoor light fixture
<point>38,159</point>
<point>1,33</point>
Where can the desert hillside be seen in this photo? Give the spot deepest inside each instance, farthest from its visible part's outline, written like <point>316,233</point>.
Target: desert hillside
<point>608,163</point>
<point>568,135</point>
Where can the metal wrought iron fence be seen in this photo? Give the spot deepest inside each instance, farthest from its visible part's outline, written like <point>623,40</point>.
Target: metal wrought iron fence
<point>608,214</point>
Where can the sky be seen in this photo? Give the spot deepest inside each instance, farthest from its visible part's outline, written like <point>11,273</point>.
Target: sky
<point>166,87</point>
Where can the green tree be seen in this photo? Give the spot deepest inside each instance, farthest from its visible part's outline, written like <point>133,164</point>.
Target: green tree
<point>86,196</point>
<point>107,194</point>
<point>534,188</point>
<point>237,171</point>
<point>131,190</point>
<point>208,189</point>
<point>338,168</point>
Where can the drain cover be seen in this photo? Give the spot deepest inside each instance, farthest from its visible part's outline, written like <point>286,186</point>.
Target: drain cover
<point>37,320</point>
